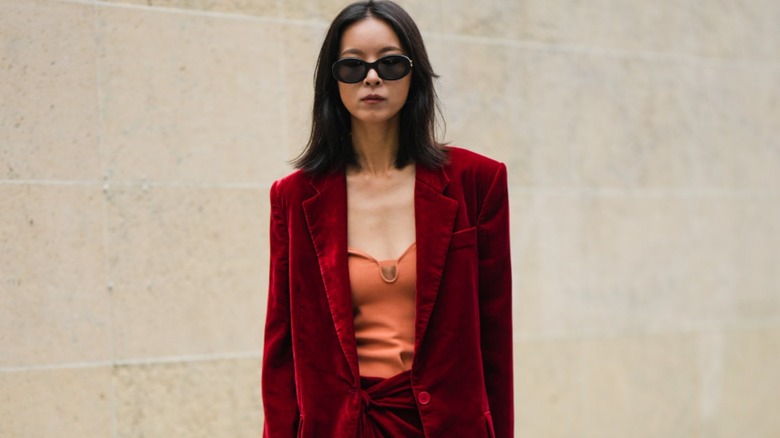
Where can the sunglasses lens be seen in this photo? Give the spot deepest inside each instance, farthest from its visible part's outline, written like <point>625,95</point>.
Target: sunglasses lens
<point>393,67</point>
<point>389,68</point>
<point>349,70</point>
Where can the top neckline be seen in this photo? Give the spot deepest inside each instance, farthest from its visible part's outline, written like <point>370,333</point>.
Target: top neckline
<point>358,252</point>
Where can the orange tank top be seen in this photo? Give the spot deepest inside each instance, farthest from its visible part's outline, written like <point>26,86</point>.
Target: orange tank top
<point>383,294</point>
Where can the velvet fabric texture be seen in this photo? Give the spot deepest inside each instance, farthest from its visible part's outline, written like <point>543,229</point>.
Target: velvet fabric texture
<point>389,408</point>
<point>461,376</point>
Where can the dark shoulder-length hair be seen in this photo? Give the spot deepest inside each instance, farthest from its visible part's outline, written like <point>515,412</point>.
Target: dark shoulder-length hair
<point>330,145</point>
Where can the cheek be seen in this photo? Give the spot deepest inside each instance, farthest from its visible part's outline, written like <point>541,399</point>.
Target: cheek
<point>406,93</point>
<point>403,90</point>
<point>348,94</point>
<point>342,92</point>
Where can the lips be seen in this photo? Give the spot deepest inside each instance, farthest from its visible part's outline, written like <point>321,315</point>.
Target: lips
<point>373,98</point>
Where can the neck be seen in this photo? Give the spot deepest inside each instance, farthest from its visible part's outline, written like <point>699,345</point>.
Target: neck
<point>376,146</point>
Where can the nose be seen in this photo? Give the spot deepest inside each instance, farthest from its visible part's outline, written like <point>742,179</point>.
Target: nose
<point>372,78</point>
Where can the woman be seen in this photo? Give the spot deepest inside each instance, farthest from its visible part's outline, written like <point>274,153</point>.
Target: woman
<point>389,311</point>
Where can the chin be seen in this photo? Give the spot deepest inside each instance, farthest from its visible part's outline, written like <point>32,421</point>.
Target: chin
<point>374,117</point>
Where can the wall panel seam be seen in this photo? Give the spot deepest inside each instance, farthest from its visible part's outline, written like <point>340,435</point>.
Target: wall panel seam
<point>255,355</point>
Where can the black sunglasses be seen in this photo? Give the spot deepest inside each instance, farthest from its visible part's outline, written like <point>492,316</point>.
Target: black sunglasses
<point>389,68</point>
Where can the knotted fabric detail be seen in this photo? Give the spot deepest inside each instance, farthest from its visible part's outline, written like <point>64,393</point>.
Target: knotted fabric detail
<point>388,408</point>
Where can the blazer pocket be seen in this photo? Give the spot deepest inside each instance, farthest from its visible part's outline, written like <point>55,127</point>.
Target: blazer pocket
<point>463,238</point>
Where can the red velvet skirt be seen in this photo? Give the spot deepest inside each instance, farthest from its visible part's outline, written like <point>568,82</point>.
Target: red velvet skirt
<point>389,408</point>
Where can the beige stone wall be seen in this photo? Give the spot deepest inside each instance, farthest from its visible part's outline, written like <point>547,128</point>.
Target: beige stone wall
<point>138,140</point>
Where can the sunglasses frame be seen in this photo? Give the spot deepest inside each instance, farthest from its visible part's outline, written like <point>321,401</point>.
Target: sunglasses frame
<point>371,65</point>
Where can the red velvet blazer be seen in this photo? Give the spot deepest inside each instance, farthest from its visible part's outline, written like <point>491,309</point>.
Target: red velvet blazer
<point>463,322</point>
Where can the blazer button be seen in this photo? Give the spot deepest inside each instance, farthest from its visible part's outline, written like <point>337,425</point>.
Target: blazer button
<point>424,398</point>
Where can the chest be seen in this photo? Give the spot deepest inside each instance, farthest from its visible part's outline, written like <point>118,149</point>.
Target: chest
<point>380,216</point>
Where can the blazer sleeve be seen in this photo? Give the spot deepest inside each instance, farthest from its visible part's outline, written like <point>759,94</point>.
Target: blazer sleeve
<point>280,405</point>
<point>495,300</point>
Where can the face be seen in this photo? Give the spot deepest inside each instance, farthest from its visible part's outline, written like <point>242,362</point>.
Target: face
<point>372,100</point>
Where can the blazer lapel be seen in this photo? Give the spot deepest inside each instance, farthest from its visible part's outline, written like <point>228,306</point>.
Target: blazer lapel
<point>326,216</point>
<point>434,216</point>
